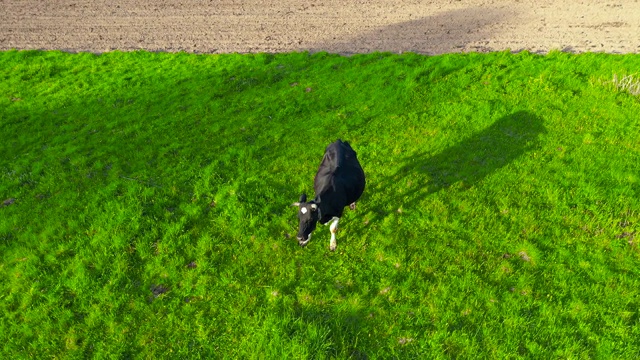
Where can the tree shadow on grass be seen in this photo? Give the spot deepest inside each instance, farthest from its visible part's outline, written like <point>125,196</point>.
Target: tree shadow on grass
<point>468,162</point>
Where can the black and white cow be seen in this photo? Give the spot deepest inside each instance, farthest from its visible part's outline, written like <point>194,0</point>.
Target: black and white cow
<point>338,183</point>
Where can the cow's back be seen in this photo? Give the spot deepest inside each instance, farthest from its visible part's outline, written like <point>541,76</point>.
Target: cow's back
<point>340,177</point>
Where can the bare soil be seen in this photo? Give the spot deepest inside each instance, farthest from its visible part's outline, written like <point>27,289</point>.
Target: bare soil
<point>337,26</point>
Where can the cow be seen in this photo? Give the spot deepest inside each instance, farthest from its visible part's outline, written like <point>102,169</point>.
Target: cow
<point>339,182</point>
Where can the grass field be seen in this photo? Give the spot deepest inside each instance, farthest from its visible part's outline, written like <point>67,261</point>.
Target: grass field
<point>146,206</point>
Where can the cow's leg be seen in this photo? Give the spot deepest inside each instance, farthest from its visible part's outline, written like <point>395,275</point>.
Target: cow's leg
<point>333,228</point>
<point>352,206</point>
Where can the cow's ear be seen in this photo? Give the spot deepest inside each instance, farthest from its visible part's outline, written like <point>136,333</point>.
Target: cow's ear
<point>295,204</point>
<point>303,198</point>
<point>314,207</point>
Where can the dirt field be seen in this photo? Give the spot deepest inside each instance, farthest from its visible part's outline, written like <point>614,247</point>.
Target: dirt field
<point>339,26</point>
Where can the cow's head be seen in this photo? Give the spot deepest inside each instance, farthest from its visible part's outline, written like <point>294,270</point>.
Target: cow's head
<point>308,214</point>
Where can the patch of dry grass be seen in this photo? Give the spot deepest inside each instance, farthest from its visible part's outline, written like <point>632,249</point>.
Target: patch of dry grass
<point>628,83</point>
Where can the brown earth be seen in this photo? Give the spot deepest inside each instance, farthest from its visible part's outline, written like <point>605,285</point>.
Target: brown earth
<point>338,26</point>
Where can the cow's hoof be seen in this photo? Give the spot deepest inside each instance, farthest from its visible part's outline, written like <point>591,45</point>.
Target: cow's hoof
<point>352,206</point>
<point>332,248</point>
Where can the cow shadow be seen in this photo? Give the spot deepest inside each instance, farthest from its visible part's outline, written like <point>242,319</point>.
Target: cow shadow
<point>466,163</point>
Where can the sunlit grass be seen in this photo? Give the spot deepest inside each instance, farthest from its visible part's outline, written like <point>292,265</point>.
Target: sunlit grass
<point>147,209</point>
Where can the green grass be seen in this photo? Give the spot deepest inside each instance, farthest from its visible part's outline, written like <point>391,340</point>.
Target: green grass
<point>151,214</point>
